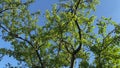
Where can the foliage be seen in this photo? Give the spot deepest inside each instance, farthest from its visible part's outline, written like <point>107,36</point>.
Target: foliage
<point>71,32</point>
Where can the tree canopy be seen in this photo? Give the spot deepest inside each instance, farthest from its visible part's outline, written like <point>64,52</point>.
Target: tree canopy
<point>71,33</point>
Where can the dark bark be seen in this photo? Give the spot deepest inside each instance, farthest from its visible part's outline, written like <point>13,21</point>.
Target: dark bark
<point>80,36</point>
<point>72,61</point>
<point>99,62</point>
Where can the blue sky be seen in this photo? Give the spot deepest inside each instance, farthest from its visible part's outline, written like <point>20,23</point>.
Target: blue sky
<point>107,8</point>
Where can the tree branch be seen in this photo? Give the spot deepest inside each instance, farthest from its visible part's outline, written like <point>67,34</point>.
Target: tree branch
<point>16,36</point>
<point>5,10</point>
<point>105,39</point>
<point>80,36</point>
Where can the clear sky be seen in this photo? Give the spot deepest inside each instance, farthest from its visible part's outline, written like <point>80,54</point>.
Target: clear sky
<point>107,8</point>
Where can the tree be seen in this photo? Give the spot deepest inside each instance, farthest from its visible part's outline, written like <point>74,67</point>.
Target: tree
<point>68,35</point>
